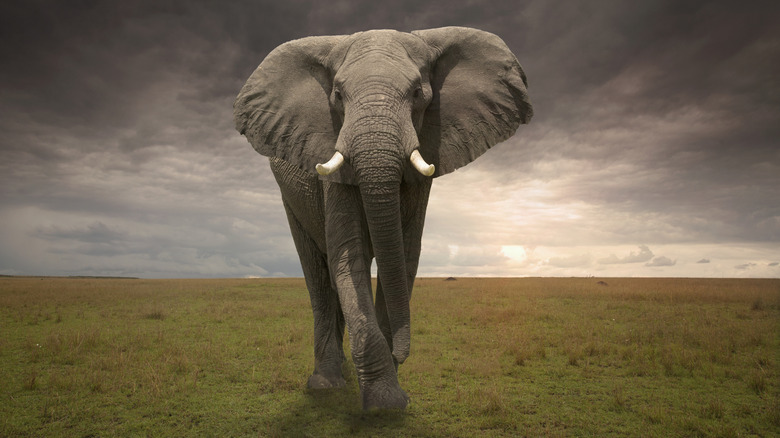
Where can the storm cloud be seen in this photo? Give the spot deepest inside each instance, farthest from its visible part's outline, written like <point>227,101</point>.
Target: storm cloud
<point>657,126</point>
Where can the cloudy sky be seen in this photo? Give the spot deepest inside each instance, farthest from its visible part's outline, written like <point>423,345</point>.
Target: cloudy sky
<point>654,150</point>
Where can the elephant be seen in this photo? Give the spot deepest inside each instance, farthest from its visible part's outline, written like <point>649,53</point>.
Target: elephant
<point>355,128</point>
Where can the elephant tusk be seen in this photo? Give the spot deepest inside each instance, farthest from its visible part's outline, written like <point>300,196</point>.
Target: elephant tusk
<point>419,163</point>
<point>332,165</point>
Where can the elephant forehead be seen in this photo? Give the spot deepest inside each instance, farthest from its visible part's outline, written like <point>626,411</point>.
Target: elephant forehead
<point>375,37</point>
<point>387,45</point>
<point>378,66</point>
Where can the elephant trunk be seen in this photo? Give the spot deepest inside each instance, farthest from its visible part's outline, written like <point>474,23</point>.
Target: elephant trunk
<point>376,134</point>
<point>381,202</point>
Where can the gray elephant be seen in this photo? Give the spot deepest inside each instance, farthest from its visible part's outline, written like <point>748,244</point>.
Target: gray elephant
<point>386,112</point>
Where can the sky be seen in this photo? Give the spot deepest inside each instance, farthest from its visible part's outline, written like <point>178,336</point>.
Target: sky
<point>654,149</point>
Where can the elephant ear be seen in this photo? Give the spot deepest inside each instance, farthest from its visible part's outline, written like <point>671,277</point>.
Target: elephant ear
<point>479,96</point>
<point>283,108</point>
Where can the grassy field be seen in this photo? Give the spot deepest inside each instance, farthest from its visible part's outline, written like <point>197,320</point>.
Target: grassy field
<point>490,357</point>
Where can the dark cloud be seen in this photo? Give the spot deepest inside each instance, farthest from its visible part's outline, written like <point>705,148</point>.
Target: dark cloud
<point>666,107</point>
<point>657,121</point>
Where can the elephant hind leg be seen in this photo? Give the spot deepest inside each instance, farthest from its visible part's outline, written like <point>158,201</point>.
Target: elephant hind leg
<point>328,316</point>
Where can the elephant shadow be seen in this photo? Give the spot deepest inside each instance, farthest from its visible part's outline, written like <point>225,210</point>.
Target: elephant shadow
<point>337,412</point>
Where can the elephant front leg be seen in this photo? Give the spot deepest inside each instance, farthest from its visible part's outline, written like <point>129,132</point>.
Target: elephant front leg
<point>328,328</point>
<point>328,319</point>
<point>350,266</point>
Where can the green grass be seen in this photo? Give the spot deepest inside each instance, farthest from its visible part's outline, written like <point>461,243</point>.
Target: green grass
<point>490,357</point>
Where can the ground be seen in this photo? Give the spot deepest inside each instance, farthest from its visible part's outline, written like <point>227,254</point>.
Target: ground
<point>490,357</point>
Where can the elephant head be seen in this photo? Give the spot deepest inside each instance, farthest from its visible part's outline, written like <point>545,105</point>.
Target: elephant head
<point>378,108</point>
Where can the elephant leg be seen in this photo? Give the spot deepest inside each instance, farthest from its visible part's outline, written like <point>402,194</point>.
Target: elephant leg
<point>328,318</point>
<point>349,260</point>
<point>414,202</point>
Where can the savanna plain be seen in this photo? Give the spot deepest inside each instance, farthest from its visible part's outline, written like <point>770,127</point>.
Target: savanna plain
<point>490,357</point>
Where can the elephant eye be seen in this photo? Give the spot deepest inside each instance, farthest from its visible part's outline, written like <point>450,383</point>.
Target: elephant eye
<point>417,93</point>
<point>337,95</point>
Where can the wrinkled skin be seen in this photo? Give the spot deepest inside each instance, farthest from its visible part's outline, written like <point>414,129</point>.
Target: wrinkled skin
<point>375,97</point>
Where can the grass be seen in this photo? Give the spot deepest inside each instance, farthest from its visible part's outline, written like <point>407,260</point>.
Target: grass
<point>490,357</point>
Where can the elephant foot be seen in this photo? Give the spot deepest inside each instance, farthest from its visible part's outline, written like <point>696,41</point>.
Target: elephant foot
<point>318,381</point>
<point>384,396</point>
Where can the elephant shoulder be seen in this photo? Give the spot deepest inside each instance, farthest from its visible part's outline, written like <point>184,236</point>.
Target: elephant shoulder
<point>302,194</point>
